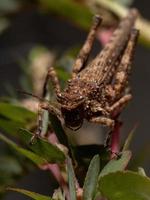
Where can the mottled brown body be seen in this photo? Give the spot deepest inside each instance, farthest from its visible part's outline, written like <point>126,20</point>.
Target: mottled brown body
<point>97,91</point>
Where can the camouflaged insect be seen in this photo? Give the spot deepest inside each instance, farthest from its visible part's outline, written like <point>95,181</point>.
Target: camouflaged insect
<point>97,91</point>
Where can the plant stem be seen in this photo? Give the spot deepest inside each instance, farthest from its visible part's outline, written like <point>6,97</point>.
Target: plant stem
<point>121,11</point>
<point>113,6</point>
<point>115,139</point>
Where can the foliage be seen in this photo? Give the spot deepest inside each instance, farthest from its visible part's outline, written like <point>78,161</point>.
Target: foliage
<point>104,177</point>
<point>125,185</point>
<point>79,12</point>
<point>111,181</point>
<point>30,194</point>
<point>98,174</point>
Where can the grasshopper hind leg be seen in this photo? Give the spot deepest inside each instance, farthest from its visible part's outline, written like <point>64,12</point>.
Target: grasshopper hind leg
<point>86,48</point>
<point>120,79</point>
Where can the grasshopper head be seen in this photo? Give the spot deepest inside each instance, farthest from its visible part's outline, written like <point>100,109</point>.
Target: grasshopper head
<point>73,117</point>
<point>72,107</point>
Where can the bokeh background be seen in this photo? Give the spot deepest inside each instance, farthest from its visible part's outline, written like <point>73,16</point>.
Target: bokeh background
<point>29,28</point>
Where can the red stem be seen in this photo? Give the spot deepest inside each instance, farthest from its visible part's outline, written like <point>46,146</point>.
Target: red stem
<point>115,140</point>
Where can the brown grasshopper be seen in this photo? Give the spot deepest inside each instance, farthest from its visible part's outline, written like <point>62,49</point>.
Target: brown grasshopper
<point>96,91</point>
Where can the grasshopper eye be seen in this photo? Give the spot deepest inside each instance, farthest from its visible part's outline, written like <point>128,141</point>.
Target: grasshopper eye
<point>60,97</point>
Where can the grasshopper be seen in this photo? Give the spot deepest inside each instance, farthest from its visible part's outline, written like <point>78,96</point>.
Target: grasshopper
<point>96,91</point>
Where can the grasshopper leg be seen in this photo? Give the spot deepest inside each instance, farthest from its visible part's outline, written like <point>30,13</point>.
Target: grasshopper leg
<point>85,50</point>
<point>124,68</point>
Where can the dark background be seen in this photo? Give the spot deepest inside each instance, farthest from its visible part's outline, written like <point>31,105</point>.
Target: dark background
<point>29,29</point>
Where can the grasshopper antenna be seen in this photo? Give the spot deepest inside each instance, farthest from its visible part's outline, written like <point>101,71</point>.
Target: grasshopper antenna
<point>30,94</point>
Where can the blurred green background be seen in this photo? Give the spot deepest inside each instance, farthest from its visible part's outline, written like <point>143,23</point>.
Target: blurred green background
<point>61,27</point>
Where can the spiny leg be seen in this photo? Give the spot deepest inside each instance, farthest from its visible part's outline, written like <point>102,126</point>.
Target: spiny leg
<point>51,109</point>
<point>51,75</point>
<point>84,52</point>
<point>107,58</point>
<point>96,107</point>
<point>117,107</point>
<point>121,78</point>
<point>103,121</point>
<point>39,125</point>
<point>124,68</point>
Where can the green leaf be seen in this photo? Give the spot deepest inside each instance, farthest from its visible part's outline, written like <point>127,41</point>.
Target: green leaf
<point>125,185</point>
<point>9,165</point>
<point>9,5</point>
<point>61,135</point>
<point>116,164</point>
<point>125,2</point>
<point>28,154</point>
<point>58,194</point>
<point>4,23</point>
<point>33,195</point>
<point>15,113</point>
<point>43,148</point>
<point>141,171</point>
<point>129,139</point>
<point>10,127</point>
<point>71,180</point>
<point>70,9</point>
<point>91,178</point>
